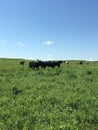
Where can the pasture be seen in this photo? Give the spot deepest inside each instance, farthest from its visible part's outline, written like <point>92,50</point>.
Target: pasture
<point>64,98</point>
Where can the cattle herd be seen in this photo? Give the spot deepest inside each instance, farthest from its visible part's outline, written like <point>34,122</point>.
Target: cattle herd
<point>52,64</point>
<point>44,64</point>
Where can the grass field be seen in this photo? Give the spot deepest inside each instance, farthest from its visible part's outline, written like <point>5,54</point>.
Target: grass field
<point>64,98</point>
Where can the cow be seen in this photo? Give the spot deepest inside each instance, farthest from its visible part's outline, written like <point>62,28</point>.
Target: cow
<point>81,62</point>
<point>33,65</point>
<point>67,62</point>
<point>22,62</point>
<point>52,64</point>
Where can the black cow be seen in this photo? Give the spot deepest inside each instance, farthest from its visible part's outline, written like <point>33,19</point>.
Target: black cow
<point>55,63</point>
<point>81,62</point>
<point>52,64</point>
<point>33,65</point>
<point>22,62</point>
<point>37,64</point>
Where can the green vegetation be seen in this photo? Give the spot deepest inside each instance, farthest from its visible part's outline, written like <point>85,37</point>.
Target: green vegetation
<point>64,98</point>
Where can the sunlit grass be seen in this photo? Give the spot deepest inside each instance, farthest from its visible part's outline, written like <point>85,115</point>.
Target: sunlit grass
<point>64,98</point>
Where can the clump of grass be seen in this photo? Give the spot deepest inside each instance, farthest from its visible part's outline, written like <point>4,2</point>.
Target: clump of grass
<point>88,72</point>
<point>16,90</point>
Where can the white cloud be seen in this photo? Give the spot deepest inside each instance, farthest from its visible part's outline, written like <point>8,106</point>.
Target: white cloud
<point>90,59</point>
<point>30,58</point>
<point>50,57</point>
<point>22,44</point>
<point>48,43</point>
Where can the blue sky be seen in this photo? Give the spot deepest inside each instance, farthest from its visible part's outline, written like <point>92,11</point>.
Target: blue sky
<point>49,29</point>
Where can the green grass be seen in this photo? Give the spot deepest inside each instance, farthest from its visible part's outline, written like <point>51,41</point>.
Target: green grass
<point>64,98</point>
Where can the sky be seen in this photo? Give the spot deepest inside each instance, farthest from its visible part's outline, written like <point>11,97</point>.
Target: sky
<point>49,29</point>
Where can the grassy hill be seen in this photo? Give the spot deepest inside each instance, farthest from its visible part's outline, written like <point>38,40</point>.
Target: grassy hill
<point>64,98</point>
